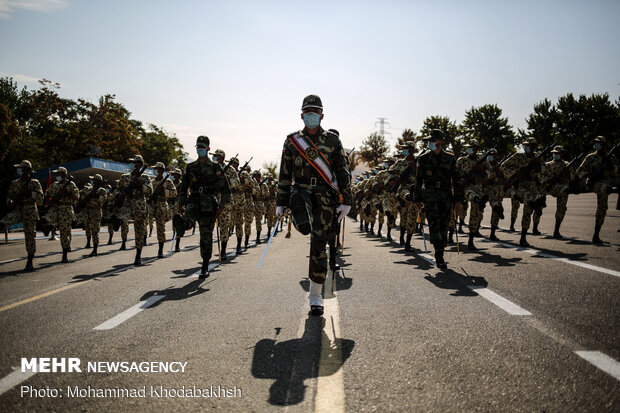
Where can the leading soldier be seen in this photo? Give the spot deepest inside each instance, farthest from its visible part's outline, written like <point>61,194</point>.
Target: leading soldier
<point>204,180</point>
<point>436,187</point>
<point>25,193</point>
<point>313,171</point>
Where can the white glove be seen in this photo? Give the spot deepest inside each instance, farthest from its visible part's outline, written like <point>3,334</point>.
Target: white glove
<point>342,211</point>
<point>279,211</point>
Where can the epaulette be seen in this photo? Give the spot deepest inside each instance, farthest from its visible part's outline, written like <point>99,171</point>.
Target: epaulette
<point>291,134</point>
<point>332,134</point>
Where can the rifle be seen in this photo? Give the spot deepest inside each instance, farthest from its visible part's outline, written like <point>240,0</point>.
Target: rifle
<point>51,200</point>
<point>120,199</point>
<point>245,164</point>
<point>598,171</point>
<point>153,196</point>
<point>229,163</point>
<point>21,196</point>
<point>512,180</point>
<point>474,170</point>
<point>551,182</point>
<point>84,201</point>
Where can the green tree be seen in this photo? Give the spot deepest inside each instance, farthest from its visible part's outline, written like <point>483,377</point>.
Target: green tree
<point>374,149</point>
<point>486,124</point>
<point>453,136</point>
<point>407,135</point>
<point>272,168</point>
<point>160,146</point>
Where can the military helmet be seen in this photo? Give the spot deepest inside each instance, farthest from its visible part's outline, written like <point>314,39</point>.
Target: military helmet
<point>234,160</point>
<point>256,172</point>
<point>600,139</point>
<point>24,164</point>
<point>473,143</point>
<point>203,140</point>
<point>334,131</point>
<point>557,149</point>
<point>177,171</point>
<point>137,159</point>
<point>60,170</point>
<point>220,152</point>
<point>531,141</point>
<point>312,101</point>
<point>159,165</point>
<point>407,144</point>
<point>96,177</point>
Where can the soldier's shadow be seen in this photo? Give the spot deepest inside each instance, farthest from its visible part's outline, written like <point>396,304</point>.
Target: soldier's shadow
<point>418,262</point>
<point>484,257</point>
<point>449,279</point>
<point>114,272</point>
<point>291,362</point>
<point>189,290</point>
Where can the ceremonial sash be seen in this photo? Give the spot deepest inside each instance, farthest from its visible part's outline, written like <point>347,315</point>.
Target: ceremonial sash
<point>315,157</point>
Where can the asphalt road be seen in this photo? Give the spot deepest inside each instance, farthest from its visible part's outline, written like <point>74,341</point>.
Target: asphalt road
<point>503,329</point>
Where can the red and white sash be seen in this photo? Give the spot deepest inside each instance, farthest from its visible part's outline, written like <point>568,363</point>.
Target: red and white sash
<point>315,157</point>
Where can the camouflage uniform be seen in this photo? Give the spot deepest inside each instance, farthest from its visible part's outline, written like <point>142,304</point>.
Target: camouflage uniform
<point>248,213</point>
<point>437,186</point>
<point>204,180</point>
<point>270,204</point>
<point>163,190</point>
<point>494,189</point>
<point>64,194</point>
<point>238,200</point>
<point>94,198</point>
<point>555,173</point>
<point>80,212</point>
<point>600,170</point>
<point>473,172</point>
<point>25,201</point>
<point>134,204</point>
<point>260,193</point>
<point>406,172</point>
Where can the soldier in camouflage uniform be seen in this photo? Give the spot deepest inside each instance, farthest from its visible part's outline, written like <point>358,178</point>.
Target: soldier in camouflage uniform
<point>163,190</point>
<point>406,170</point>
<point>270,202</point>
<point>62,195</point>
<point>260,194</point>
<point>437,188</point>
<point>25,193</point>
<point>173,203</point>
<point>600,170</point>
<point>93,199</point>
<point>204,180</point>
<point>106,214</point>
<point>247,183</point>
<point>313,196</point>
<point>238,200</point>
<point>225,220</point>
<point>527,190</point>
<point>132,191</point>
<point>494,189</point>
<point>80,212</point>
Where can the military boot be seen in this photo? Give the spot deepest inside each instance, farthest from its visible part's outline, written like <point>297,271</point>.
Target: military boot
<point>470,244</point>
<point>150,231</point>
<point>372,229</point>
<point>512,224</point>
<point>379,230</point>
<point>492,236</point>
<point>535,230</point>
<point>110,239</point>
<point>461,227</point>
<point>247,241</point>
<point>160,252</point>
<point>87,242</point>
<point>144,239</point>
<point>123,245</point>
<point>499,210</point>
<point>366,226</point>
<point>204,270</point>
<point>523,241</point>
<point>29,266</point>
<point>177,247</point>
<point>223,251</point>
<point>258,238</point>
<point>64,255</point>
<point>389,234</point>
<point>269,231</point>
<point>138,259</point>
<point>361,224</point>
<point>194,229</point>
<point>441,263</point>
<point>451,236</point>
<point>595,239</point>
<point>94,251</point>
<point>408,246</point>
<point>556,231</point>
<point>238,250</point>
<point>402,236</point>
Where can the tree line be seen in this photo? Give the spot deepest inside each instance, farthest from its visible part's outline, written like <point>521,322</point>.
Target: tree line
<point>570,122</point>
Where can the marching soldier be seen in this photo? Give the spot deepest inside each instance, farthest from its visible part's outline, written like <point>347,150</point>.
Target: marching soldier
<point>80,212</point>
<point>248,213</point>
<point>259,202</point>
<point>238,200</point>
<point>204,180</point>
<point>494,189</point>
<point>105,208</point>
<point>406,169</point>
<point>436,187</point>
<point>131,193</point>
<point>25,193</point>
<point>61,196</point>
<point>600,169</point>
<point>270,202</point>
<point>226,217</point>
<point>313,171</point>
<point>472,174</point>
<point>93,200</point>
<point>173,203</point>
<point>163,190</point>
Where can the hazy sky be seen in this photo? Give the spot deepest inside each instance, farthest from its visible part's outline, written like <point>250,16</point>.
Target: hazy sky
<point>237,71</point>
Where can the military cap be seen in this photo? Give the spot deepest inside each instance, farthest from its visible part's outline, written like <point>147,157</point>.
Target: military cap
<point>493,151</point>
<point>557,148</point>
<point>472,143</point>
<point>407,144</point>
<point>600,139</point>
<point>436,134</point>
<point>203,140</point>
<point>234,160</point>
<point>531,141</point>
<point>159,165</point>
<point>256,172</point>
<point>61,169</point>
<point>97,177</point>
<point>312,101</point>
<point>24,164</point>
<point>220,152</point>
<point>137,159</point>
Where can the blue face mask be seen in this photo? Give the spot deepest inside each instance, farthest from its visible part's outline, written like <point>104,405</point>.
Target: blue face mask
<point>597,146</point>
<point>59,178</point>
<point>202,152</point>
<point>405,152</point>
<point>527,149</point>
<point>214,159</point>
<point>312,120</point>
<point>386,165</point>
<point>490,158</point>
<point>556,157</point>
<point>432,146</point>
<point>92,182</point>
<point>20,172</point>
<point>469,151</point>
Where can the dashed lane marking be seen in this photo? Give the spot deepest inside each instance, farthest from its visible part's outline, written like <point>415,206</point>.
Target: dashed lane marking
<point>602,361</point>
<point>13,379</point>
<point>130,312</point>
<point>330,383</point>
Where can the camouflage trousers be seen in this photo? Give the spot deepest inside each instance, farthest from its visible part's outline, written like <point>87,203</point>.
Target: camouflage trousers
<point>496,196</point>
<point>402,213</point>
<point>248,216</point>
<point>125,230</point>
<point>411,219</point>
<point>600,189</point>
<point>80,219</point>
<point>161,214</point>
<point>137,209</point>
<point>461,212</point>
<point>28,215</point>
<point>238,207</point>
<point>150,218</point>
<point>259,211</point>
<point>225,222</point>
<point>390,209</point>
<point>270,212</point>
<point>92,222</point>
<point>62,216</point>
<point>515,204</point>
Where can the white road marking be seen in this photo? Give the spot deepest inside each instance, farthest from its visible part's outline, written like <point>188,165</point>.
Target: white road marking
<point>602,361</point>
<point>330,383</point>
<point>13,379</point>
<point>127,314</point>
